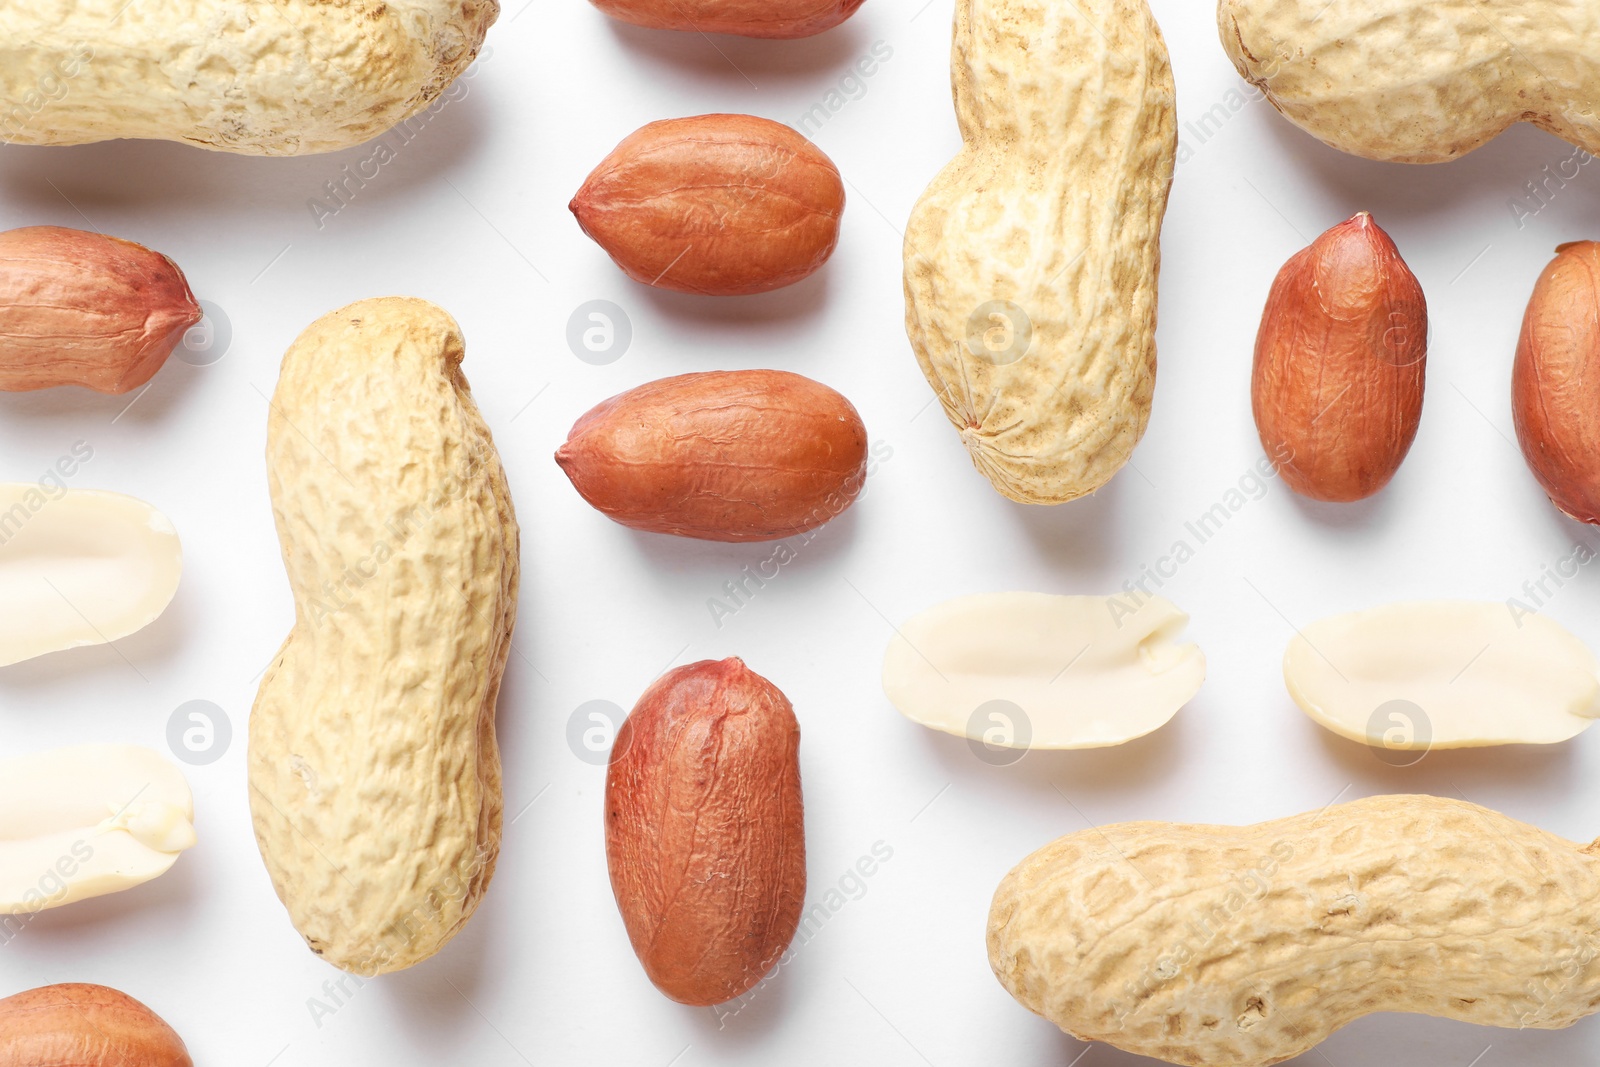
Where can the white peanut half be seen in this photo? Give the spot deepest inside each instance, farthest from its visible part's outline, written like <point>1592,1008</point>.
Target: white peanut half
<point>374,771</point>
<point>1032,670</point>
<point>1420,81</point>
<point>80,567</point>
<point>85,821</point>
<point>1444,674</point>
<point>285,77</point>
<point>1031,260</point>
<point>1221,946</point>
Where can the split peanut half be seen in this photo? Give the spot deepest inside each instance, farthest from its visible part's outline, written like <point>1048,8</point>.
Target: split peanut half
<point>1034,670</point>
<point>88,820</point>
<point>80,567</point>
<point>1444,674</point>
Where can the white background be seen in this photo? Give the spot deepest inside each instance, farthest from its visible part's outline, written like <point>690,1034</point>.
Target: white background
<point>472,214</point>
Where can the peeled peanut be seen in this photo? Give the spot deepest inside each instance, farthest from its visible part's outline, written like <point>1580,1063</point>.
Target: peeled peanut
<point>84,309</point>
<point>1555,381</point>
<point>705,833</point>
<point>746,18</point>
<point>76,1025</point>
<point>374,770</point>
<point>721,455</point>
<point>722,205</point>
<point>1339,364</point>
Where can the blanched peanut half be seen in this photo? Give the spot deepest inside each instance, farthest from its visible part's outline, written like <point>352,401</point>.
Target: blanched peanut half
<point>86,821</point>
<point>1468,673</point>
<point>1083,671</point>
<point>80,567</point>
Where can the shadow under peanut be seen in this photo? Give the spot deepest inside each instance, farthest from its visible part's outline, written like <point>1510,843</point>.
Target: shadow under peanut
<point>1536,773</point>
<point>744,63</point>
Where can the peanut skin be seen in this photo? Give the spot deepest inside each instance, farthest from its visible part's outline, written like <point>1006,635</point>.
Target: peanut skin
<point>80,308</point>
<point>1339,364</point>
<point>705,832</point>
<point>722,455</point>
<point>76,1025</point>
<point>744,18</point>
<point>1555,381</point>
<point>721,205</point>
<point>1244,946</point>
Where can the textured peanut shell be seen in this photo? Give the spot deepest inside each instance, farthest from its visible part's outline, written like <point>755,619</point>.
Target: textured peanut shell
<point>705,834</point>
<point>1555,381</point>
<point>1339,364</point>
<point>1053,208</point>
<point>1420,81</point>
<point>80,308</point>
<point>721,205</point>
<point>745,18</point>
<point>374,772</point>
<point>260,77</point>
<point>721,455</point>
<point>1244,946</point>
<point>75,1025</point>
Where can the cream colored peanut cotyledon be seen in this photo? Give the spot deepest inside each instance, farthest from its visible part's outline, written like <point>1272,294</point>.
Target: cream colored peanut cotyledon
<point>1031,261</point>
<point>1033,670</point>
<point>85,821</point>
<point>260,77</point>
<point>1444,674</point>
